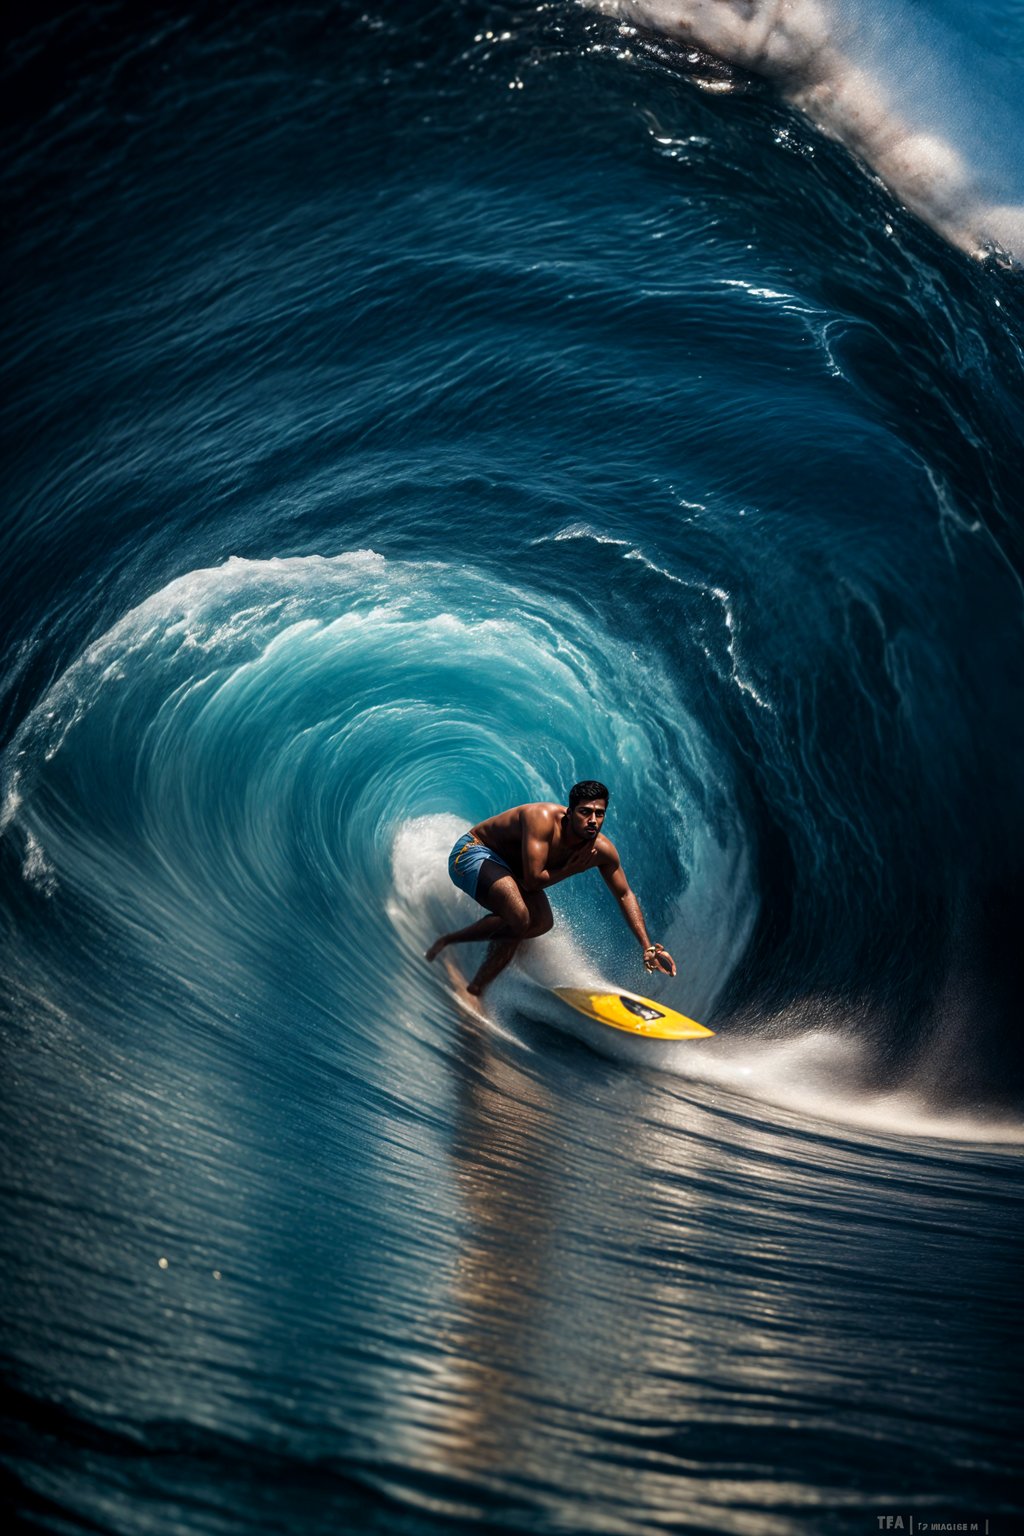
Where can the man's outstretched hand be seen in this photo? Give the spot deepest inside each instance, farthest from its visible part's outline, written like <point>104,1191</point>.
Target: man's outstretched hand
<point>657,958</point>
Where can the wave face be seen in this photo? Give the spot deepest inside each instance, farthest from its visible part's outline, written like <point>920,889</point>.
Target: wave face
<point>408,415</point>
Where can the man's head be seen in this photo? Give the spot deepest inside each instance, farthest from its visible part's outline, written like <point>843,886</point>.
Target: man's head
<point>588,803</point>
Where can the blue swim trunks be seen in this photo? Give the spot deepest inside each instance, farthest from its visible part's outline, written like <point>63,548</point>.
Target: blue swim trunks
<point>467,859</point>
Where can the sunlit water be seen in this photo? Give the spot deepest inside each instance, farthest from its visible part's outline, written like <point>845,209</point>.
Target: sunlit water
<point>406,415</point>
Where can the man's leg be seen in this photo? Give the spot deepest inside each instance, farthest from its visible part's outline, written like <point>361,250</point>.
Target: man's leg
<point>510,916</point>
<point>502,949</point>
<point>499,953</point>
<point>485,928</point>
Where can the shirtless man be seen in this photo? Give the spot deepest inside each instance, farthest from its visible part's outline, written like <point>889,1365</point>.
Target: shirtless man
<point>507,862</point>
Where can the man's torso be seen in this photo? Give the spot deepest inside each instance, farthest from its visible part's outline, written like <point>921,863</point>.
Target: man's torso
<point>503,834</point>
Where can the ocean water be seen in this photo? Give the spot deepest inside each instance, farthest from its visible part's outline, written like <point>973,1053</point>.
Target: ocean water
<point>407,412</point>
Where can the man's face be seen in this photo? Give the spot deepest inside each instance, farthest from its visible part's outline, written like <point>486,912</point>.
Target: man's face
<point>587,818</point>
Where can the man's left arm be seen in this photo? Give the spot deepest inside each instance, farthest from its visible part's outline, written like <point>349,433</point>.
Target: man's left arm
<point>614,877</point>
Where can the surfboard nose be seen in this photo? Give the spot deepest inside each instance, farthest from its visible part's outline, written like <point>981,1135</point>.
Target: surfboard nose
<point>632,1013</point>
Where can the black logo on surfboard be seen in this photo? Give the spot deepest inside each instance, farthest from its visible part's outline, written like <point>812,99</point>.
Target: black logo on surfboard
<point>642,1010</point>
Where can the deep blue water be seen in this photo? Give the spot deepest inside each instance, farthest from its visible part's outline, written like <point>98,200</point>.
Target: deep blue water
<point>407,413</point>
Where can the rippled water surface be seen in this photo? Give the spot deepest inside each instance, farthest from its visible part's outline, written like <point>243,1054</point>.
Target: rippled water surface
<point>408,413</point>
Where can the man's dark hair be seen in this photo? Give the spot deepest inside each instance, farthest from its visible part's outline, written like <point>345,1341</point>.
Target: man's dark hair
<point>587,789</point>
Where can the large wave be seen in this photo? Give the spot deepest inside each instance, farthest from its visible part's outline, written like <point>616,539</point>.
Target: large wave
<point>591,426</point>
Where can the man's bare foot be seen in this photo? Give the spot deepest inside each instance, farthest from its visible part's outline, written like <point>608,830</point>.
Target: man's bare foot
<point>436,948</point>
<point>467,999</point>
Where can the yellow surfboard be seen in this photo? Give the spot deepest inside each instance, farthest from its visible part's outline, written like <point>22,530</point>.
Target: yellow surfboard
<point>636,1015</point>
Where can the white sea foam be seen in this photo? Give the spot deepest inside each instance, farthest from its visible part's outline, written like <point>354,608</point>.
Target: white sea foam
<point>905,94</point>
<point>721,596</point>
<point>37,869</point>
<point>826,1073</point>
<point>580,531</point>
<point>419,873</point>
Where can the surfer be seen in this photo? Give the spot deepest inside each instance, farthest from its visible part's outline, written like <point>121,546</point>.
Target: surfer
<point>507,862</point>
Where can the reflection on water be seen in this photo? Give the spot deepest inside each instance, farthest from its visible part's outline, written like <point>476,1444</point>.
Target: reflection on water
<point>664,1306</point>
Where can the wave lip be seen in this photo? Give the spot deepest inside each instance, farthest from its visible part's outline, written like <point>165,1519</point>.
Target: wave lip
<point>902,92</point>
